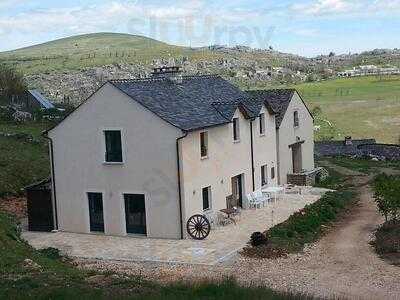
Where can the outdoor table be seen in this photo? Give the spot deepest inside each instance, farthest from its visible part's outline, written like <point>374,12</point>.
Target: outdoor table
<point>273,190</point>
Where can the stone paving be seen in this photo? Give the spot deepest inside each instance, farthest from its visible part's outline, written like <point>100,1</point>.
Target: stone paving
<point>219,246</point>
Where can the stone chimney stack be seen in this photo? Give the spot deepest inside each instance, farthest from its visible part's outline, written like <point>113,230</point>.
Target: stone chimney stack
<point>174,74</point>
<point>348,141</point>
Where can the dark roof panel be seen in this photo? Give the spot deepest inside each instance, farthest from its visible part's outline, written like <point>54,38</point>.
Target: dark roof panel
<point>277,99</point>
<point>41,99</point>
<point>192,103</point>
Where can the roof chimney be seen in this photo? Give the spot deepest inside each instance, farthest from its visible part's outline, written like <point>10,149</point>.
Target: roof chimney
<point>348,141</point>
<point>174,74</point>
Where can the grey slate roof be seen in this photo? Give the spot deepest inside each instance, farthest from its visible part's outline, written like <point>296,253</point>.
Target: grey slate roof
<point>278,100</point>
<point>41,99</point>
<point>196,102</point>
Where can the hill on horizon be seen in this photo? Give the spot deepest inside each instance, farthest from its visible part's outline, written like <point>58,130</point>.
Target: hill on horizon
<point>95,49</point>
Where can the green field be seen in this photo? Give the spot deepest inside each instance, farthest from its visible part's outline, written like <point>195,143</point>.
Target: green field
<point>362,107</point>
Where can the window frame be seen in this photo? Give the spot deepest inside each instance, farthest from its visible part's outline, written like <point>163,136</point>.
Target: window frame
<point>209,198</point>
<point>296,119</point>
<point>261,124</point>
<point>204,144</point>
<point>104,154</point>
<point>236,130</point>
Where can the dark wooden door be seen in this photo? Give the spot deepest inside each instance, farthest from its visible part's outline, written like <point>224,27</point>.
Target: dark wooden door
<point>96,212</point>
<point>237,190</point>
<point>40,210</point>
<point>135,213</point>
<point>297,158</point>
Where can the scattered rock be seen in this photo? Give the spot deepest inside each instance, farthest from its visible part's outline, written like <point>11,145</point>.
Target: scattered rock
<point>31,265</point>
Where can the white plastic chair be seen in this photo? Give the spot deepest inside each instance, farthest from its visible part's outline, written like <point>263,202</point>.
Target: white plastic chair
<point>260,197</point>
<point>253,201</point>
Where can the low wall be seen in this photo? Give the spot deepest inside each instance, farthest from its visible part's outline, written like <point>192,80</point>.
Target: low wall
<point>388,151</point>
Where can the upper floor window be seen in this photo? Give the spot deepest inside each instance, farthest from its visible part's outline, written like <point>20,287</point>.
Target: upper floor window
<point>236,131</point>
<point>204,144</point>
<point>113,146</point>
<point>262,124</point>
<point>296,121</point>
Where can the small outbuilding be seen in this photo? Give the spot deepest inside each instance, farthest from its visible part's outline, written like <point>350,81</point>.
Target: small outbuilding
<point>40,208</point>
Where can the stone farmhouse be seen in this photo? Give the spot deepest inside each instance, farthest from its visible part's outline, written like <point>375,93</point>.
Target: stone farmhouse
<point>141,156</point>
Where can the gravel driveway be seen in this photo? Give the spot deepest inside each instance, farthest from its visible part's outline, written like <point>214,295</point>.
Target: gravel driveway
<point>342,264</point>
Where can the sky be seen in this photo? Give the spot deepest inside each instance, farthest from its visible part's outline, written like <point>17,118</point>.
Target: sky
<point>304,27</point>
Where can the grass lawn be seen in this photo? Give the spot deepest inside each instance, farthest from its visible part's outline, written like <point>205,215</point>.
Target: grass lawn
<point>366,166</point>
<point>22,162</point>
<point>361,107</point>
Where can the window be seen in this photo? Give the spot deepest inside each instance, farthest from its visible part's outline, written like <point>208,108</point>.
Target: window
<point>96,212</point>
<point>113,146</point>
<point>272,172</point>
<point>236,133</point>
<point>262,124</point>
<point>264,176</point>
<point>296,119</point>
<point>204,144</point>
<point>206,192</point>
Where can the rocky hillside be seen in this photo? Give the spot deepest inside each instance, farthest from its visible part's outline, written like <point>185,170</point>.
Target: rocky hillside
<point>70,69</point>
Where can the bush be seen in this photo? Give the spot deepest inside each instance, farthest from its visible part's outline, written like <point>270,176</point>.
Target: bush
<point>257,239</point>
<point>52,253</point>
<point>387,195</point>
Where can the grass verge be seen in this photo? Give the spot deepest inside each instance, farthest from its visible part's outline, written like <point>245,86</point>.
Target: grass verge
<point>303,227</point>
<point>366,166</point>
<point>22,161</point>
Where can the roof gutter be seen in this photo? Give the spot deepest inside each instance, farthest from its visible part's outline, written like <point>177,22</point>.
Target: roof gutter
<point>178,159</point>
<point>252,154</point>
<point>53,179</point>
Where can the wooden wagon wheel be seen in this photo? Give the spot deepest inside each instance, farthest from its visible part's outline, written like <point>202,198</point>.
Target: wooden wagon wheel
<point>198,227</point>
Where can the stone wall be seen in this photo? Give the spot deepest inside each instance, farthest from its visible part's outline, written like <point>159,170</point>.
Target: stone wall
<point>387,151</point>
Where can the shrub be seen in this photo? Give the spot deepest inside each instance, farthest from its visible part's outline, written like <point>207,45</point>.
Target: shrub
<point>387,195</point>
<point>257,239</point>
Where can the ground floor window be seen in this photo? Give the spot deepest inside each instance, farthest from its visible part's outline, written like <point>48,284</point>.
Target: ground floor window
<point>206,193</point>
<point>264,175</point>
<point>96,215</point>
<point>272,172</point>
<point>135,213</point>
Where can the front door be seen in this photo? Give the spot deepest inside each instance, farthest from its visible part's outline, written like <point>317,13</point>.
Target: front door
<point>96,212</point>
<point>135,213</point>
<point>296,158</point>
<point>237,190</point>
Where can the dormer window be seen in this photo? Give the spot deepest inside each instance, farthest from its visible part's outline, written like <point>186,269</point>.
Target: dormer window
<point>296,121</point>
<point>236,130</point>
<point>262,124</point>
<point>204,144</point>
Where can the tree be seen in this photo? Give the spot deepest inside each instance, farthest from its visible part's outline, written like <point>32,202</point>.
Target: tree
<point>332,54</point>
<point>11,83</point>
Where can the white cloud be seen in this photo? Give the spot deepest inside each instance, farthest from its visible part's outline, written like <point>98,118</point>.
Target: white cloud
<point>335,8</point>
